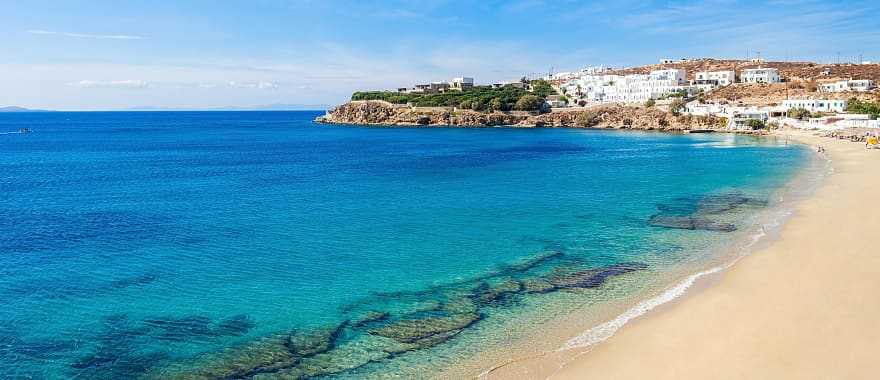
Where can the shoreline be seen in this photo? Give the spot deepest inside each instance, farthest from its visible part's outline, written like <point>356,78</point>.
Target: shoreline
<point>573,338</point>
<point>652,331</point>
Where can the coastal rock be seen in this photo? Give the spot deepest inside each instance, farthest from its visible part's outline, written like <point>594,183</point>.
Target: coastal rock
<point>376,112</point>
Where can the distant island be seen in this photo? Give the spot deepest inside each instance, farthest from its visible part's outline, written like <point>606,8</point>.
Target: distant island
<point>20,109</point>
<point>263,107</point>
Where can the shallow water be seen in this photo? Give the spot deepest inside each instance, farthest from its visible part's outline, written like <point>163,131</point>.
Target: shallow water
<point>179,243</point>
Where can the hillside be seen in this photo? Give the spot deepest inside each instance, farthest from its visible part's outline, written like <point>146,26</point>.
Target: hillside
<point>798,71</point>
<point>800,78</point>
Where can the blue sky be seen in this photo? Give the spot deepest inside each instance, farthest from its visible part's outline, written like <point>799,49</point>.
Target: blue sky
<point>116,54</point>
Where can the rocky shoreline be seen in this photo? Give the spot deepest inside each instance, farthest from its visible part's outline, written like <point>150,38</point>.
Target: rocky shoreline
<point>615,116</point>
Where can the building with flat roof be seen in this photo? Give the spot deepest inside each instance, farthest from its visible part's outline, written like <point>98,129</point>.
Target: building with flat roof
<point>709,80</point>
<point>844,85</point>
<point>767,75</point>
<point>816,105</point>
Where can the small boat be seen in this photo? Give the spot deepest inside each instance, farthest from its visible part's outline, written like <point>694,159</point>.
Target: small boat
<point>24,130</point>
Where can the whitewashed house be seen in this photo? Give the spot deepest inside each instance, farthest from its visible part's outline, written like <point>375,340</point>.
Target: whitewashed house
<point>760,76</point>
<point>738,117</point>
<point>710,80</point>
<point>816,105</point>
<point>634,88</point>
<point>461,83</point>
<point>836,122</point>
<point>858,85</point>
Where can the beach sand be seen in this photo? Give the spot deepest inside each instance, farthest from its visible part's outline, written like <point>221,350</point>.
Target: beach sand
<point>806,306</point>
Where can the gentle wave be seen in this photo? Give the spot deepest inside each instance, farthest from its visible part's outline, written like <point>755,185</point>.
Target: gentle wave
<point>604,331</point>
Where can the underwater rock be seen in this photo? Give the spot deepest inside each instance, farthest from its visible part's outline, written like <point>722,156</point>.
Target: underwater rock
<point>486,294</point>
<point>532,262</point>
<point>414,330</point>
<point>371,317</point>
<point>106,364</point>
<point>722,203</point>
<point>537,285</point>
<point>180,329</point>
<point>310,343</point>
<point>265,355</point>
<point>460,305</point>
<point>690,223</point>
<point>593,278</point>
<point>422,344</point>
<point>236,325</point>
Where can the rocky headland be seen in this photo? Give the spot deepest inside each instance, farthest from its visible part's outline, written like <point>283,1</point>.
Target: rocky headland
<point>614,116</point>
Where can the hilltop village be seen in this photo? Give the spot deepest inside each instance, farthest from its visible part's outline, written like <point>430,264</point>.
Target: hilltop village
<point>687,94</point>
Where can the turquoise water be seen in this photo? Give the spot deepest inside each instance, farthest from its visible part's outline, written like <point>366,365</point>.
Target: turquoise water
<point>181,243</point>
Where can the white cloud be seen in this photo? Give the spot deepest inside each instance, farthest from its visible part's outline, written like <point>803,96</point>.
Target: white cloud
<point>85,35</point>
<point>131,83</point>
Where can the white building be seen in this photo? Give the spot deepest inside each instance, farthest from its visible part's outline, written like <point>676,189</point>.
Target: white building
<point>709,80</point>
<point>836,122</point>
<point>461,83</point>
<point>739,118</point>
<point>859,85</point>
<point>816,105</point>
<point>760,76</point>
<point>556,101</point>
<point>633,88</point>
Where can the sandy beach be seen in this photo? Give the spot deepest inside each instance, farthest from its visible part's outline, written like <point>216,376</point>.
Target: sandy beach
<point>803,307</point>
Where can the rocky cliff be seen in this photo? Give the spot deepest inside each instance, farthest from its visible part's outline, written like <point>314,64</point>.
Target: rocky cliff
<point>606,116</point>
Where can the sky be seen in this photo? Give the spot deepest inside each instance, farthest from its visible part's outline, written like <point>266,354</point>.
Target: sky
<point>111,55</point>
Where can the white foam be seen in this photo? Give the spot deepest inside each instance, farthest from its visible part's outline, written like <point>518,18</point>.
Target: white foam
<point>606,330</point>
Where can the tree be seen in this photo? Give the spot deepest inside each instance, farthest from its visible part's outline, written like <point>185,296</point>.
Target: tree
<point>676,106</point>
<point>650,103</point>
<point>755,124</point>
<point>529,103</point>
<point>542,88</point>
<point>478,105</point>
<point>496,105</point>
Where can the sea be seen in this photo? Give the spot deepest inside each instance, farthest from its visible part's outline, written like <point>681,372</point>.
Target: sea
<point>198,245</point>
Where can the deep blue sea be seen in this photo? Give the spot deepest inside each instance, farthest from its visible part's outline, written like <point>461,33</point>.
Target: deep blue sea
<point>263,245</point>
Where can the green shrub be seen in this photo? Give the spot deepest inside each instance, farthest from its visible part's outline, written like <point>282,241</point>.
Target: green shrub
<point>798,113</point>
<point>677,106</point>
<point>857,106</point>
<point>529,103</point>
<point>755,124</point>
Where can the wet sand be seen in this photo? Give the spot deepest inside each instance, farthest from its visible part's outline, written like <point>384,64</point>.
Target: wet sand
<point>803,307</point>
